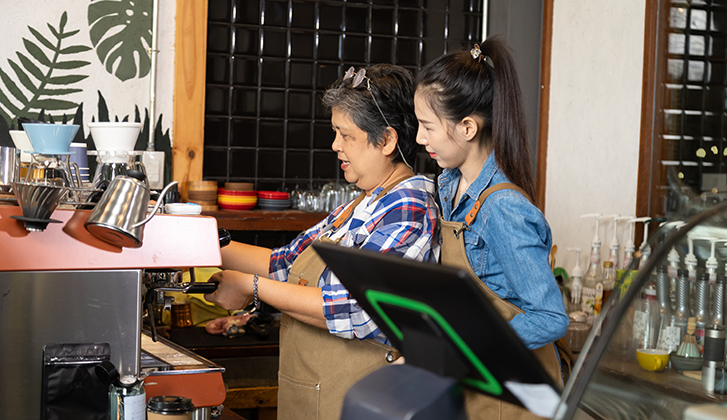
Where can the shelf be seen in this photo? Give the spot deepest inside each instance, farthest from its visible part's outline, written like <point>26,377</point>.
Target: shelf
<point>265,220</point>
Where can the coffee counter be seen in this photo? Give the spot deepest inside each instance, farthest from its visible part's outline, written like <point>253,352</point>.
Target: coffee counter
<point>669,382</point>
<point>265,220</point>
<point>620,388</point>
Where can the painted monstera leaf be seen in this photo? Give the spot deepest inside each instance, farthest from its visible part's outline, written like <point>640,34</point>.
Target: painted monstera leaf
<point>121,32</point>
<point>42,77</point>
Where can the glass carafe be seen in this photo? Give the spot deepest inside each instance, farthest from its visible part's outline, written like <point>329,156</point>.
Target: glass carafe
<point>112,163</point>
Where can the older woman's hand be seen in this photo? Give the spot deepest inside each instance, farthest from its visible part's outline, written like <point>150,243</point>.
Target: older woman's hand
<point>234,290</point>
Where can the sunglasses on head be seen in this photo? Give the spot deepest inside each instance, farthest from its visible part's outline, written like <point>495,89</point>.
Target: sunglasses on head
<point>358,78</point>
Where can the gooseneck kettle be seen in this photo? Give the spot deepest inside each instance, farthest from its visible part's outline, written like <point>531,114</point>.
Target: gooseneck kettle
<point>120,215</point>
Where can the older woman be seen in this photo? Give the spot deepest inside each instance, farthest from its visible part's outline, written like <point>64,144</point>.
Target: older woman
<point>327,342</point>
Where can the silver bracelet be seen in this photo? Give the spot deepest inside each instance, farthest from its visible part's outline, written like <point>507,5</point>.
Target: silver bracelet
<point>255,299</point>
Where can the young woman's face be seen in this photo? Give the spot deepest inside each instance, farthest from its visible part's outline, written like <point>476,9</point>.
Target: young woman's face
<point>362,163</point>
<point>437,137</point>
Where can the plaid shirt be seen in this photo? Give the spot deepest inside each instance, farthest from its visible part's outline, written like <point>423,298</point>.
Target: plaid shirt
<point>400,223</point>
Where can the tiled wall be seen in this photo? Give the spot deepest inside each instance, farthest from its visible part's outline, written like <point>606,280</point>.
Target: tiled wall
<point>269,61</point>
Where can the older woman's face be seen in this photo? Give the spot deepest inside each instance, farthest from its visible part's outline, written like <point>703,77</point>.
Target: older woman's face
<point>362,163</point>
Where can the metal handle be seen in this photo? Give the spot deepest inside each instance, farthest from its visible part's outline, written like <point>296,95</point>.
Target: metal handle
<point>76,173</point>
<point>156,206</point>
<point>139,166</point>
<point>202,288</point>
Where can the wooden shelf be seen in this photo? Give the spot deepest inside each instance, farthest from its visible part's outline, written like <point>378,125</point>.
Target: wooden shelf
<point>265,220</point>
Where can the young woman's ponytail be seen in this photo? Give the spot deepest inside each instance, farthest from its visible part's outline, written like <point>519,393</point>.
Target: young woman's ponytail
<point>509,127</point>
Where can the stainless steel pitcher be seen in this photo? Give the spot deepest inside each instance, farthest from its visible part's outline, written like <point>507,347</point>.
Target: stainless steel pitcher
<point>9,167</point>
<point>120,214</point>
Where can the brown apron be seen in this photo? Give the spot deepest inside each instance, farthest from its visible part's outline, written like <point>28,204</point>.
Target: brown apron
<point>316,367</point>
<point>480,406</point>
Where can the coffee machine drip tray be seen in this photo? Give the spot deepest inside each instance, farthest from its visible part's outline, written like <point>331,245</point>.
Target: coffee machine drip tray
<point>174,370</point>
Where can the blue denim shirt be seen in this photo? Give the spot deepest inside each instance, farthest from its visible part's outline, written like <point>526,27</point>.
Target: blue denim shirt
<point>508,246</point>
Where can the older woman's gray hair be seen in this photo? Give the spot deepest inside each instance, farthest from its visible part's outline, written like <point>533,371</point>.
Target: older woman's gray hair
<point>392,88</point>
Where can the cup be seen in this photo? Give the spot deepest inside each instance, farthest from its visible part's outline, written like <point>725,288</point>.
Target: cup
<point>22,143</point>
<point>165,407</point>
<point>181,315</point>
<point>653,360</point>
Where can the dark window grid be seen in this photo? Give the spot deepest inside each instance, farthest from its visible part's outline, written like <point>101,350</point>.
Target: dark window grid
<point>419,42</point>
<point>704,142</point>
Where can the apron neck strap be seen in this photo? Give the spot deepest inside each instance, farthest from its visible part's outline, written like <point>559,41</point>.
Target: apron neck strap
<point>486,193</point>
<point>349,210</point>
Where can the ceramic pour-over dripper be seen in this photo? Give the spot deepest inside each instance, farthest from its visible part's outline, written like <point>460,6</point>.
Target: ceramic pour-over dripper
<point>114,136</point>
<point>38,201</point>
<point>51,139</point>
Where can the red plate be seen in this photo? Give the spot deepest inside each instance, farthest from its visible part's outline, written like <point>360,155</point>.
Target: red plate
<point>274,195</point>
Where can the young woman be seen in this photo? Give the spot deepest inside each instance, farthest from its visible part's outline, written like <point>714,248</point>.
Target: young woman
<point>472,123</point>
<point>327,342</point>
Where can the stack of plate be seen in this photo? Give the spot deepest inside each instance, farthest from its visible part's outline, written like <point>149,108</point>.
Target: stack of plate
<point>273,200</point>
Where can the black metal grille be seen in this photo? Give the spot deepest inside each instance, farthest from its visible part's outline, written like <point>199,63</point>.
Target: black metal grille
<point>694,151</point>
<point>269,61</point>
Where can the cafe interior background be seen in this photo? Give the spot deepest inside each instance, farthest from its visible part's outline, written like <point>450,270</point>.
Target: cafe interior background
<point>584,116</point>
<point>625,98</point>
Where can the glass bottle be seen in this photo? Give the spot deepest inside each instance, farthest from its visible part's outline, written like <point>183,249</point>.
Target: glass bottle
<point>591,283</point>
<point>663,294</point>
<point>682,311</point>
<point>609,279</point>
<point>701,309</point>
<point>718,302</point>
<point>646,321</point>
<point>127,399</point>
<point>674,326</point>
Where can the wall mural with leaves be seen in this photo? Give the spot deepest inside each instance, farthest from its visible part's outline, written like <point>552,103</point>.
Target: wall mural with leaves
<point>120,32</point>
<point>79,61</point>
<point>34,70</point>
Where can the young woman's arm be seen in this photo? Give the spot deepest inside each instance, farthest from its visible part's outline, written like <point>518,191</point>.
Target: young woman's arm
<point>519,241</point>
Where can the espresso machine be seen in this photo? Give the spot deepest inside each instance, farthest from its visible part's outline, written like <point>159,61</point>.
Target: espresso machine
<point>69,299</point>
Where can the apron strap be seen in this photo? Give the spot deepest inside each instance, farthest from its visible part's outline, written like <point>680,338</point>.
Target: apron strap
<point>486,193</point>
<point>346,214</point>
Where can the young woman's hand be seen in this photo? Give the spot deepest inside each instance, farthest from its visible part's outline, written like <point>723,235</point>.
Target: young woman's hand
<point>234,290</point>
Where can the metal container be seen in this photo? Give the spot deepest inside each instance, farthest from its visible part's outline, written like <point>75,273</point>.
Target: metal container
<point>87,306</point>
<point>714,345</point>
<point>38,202</point>
<point>9,167</point>
<point>120,214</point>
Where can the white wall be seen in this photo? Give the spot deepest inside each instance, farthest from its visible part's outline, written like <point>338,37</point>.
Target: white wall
<point>595,111</point>
<point>121,96</point>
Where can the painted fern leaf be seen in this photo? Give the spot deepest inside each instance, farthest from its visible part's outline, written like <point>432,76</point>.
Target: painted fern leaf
<point>120,33</point>
<point>44,75</point>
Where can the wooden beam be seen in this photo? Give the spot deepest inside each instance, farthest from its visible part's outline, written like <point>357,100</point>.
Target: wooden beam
<point>649,197</point>
<point>189,91</point>
<point>544,114</point>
